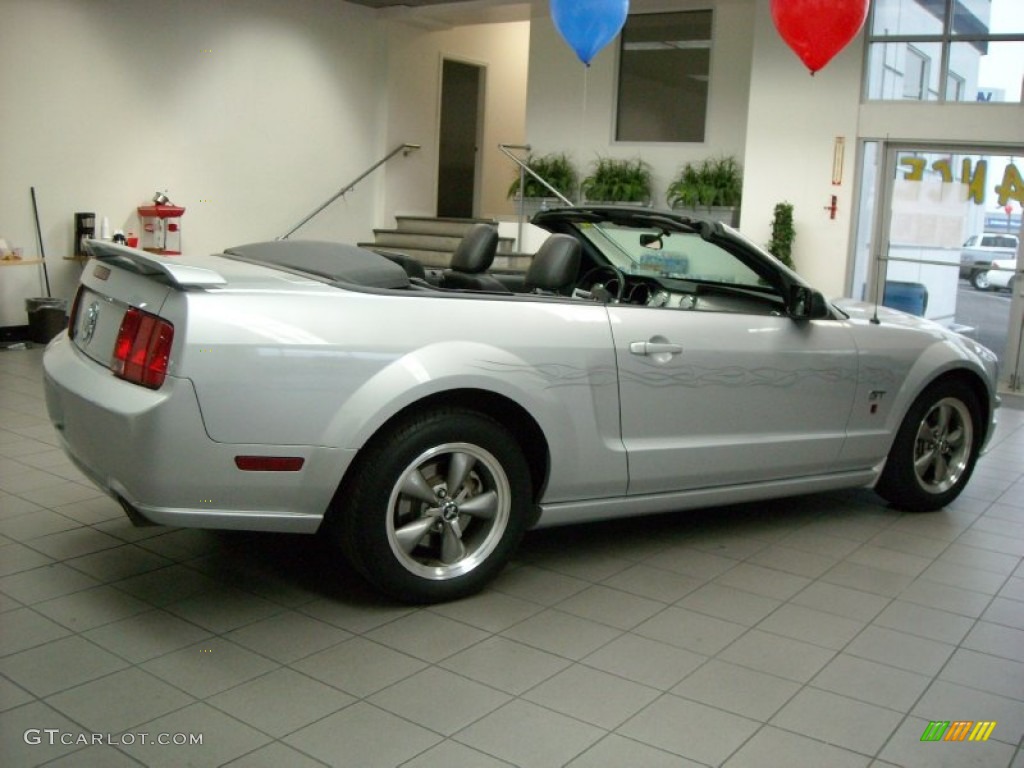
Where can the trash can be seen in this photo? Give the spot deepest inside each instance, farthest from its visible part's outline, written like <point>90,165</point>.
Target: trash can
<point>46,318</point>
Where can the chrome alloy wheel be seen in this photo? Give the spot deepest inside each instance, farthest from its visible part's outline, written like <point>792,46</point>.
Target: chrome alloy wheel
<point>448,511</point>
<point>943,445</point>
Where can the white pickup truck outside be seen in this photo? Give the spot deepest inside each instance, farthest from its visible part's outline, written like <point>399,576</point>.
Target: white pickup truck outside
<point>979,251</point>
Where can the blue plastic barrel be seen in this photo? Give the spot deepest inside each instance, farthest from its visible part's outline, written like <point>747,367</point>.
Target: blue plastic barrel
<point>911,298</point>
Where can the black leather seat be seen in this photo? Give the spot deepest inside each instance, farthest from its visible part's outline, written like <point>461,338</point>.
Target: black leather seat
<point>555,266</point>
<point>472,258</point>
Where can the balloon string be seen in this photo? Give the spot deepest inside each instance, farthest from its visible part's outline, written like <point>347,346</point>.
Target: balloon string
<point>583,111</point>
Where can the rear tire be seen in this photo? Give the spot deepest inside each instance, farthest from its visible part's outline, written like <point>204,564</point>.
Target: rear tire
<point>435,507</point>
<point>935,450</point>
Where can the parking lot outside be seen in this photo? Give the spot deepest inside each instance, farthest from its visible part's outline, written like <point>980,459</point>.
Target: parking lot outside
<point>986,315</point>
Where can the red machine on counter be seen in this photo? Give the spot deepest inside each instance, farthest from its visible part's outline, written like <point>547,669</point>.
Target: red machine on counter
<point>161,226</point>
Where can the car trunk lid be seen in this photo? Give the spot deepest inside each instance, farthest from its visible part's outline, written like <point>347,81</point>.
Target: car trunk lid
<point>109,291</point>
<point>128,295</point>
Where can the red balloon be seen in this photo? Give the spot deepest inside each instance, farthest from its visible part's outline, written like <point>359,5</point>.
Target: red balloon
<point>817,30</point>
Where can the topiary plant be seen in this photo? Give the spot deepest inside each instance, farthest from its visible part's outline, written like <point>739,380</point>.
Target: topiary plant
<point>783,234</point>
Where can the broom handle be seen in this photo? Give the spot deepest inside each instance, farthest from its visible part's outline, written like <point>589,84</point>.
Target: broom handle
<point>42,249</point>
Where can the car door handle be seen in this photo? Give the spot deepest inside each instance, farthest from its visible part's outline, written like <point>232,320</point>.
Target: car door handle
<point>654,348</point>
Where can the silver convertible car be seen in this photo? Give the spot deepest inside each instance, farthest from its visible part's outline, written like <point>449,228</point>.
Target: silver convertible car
<point>645,363</point>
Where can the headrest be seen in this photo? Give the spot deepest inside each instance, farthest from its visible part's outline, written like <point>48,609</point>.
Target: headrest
<point>476,250</point>
<point>555,265</point>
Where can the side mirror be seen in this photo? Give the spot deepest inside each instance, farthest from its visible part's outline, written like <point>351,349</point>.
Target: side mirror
<point>806,304</point>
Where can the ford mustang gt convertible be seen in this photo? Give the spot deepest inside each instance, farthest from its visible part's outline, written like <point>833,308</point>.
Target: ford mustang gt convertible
<point>422,421</point>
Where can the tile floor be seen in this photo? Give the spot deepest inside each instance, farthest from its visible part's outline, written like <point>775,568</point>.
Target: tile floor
<point>825,630</point>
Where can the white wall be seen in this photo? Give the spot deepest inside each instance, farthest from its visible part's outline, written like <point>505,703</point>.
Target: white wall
<point>951,123</point>
<point>570,107</point>
<point>794,120</point>
<point>414,103</point>
<point>249,113</point>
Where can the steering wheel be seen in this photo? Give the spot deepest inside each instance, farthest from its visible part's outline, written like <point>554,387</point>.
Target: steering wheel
<point>589,279</point>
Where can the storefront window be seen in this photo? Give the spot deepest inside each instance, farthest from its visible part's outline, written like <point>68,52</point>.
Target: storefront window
<point>946,50</point>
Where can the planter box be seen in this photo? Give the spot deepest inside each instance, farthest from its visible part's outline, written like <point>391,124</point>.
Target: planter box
<point>725,214</point>
<point>531,205</point>
<point>635,204</point>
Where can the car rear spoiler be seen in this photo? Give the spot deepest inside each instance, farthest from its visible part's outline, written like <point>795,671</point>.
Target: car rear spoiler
<point>143,262</point>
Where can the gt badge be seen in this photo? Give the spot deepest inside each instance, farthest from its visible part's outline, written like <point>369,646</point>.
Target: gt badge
<point>875,397</point>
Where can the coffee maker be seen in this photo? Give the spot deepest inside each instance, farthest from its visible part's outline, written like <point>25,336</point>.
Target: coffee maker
<point>85,229</point>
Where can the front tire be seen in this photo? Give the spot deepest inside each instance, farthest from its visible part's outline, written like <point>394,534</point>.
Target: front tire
<point>436,506</point>
<point>980,281</point>
<point>935,450</point>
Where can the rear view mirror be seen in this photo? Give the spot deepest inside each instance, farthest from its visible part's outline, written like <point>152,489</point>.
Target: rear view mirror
<point>654,242</point>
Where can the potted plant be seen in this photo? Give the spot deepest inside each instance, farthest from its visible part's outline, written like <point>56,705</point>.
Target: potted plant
<point>557,169</point>
<point>783,234</point>
<point>614,180</point>
<point>711,189</point>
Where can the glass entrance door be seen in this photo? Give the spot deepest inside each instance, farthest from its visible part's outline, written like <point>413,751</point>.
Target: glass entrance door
<point>939,236</point>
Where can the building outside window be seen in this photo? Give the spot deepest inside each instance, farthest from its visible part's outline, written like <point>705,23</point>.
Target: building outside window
<point>664,67</point>
<point>915,75</point>
<point>954,87</point>
<point>946,50</point>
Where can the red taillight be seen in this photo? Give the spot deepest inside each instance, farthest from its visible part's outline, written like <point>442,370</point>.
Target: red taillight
<point>142,349</point>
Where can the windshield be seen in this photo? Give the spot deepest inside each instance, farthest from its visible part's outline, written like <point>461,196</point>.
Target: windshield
<point>658,252</point>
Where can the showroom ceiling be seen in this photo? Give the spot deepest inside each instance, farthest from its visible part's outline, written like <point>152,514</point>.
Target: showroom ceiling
<point>409,3</point>
<point>446,13</point>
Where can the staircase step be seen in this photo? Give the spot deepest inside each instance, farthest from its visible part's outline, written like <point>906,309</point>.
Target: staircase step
<point>426,257</point>
<point>432,241</point>
<point>441,226</point>
<point>512,262</point>
<point>402,238</point>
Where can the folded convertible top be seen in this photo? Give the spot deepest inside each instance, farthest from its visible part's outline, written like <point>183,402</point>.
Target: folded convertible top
<point>334,261</point>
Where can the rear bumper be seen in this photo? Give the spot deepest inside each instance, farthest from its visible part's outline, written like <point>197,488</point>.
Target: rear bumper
<point>150,451</point>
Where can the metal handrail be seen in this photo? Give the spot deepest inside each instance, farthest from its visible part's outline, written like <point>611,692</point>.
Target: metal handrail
<point>405,149</point>
<point>523,170</point>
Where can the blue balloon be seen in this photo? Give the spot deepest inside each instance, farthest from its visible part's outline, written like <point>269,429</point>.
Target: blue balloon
<point>589,25</point>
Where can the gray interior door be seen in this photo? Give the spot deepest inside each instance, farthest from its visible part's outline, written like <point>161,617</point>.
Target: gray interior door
<point>461,90</point>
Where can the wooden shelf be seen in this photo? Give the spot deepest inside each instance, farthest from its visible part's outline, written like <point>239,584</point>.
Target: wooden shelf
<point>20,262</point>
